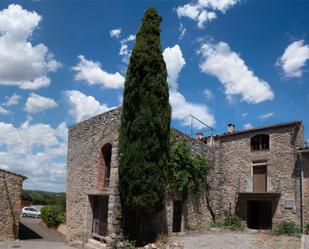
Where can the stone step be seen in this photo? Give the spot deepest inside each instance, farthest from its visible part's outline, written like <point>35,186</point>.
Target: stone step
<point>94,244</point>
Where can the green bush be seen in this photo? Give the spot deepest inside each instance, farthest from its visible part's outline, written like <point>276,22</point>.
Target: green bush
<point>307,228</point>
<point>122,244</point>
<point>288,228</point>
<point>53,216</point>
<point>228,221</point>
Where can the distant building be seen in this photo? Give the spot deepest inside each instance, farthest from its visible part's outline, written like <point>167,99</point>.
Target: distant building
<point>256,174</point>
<point>10,204</point>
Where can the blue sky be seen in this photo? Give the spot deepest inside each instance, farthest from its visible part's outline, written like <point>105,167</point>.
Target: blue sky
<point>241,62</point>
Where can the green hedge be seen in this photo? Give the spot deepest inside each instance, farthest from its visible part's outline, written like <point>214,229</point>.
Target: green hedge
<point>53,216</point>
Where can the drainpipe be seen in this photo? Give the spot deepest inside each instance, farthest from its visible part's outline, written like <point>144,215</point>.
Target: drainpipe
<point>302,204</point>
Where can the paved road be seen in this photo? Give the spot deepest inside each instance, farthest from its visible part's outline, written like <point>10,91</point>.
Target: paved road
<point>34,235</point>
<point>237,240</point>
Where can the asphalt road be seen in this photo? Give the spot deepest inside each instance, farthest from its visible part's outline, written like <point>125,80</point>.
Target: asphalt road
<point>34,235</point>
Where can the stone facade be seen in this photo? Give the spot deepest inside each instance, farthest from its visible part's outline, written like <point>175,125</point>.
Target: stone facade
<point>230,183</point>
<point>10,204</point>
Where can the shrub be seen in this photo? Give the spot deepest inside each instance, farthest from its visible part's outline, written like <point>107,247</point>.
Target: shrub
<point>307,228</point>
<point>288,228</point>
<point>53,215</point>
<point>122,244</point>
<point>229,221</point>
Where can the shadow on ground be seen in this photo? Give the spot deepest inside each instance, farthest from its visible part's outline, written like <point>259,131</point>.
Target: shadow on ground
<point>26,233</point>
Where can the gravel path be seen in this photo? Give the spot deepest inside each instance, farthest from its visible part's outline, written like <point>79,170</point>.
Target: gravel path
<point>237,240</point>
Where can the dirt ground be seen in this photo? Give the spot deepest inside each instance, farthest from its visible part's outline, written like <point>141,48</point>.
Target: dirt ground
<point>237,240</point>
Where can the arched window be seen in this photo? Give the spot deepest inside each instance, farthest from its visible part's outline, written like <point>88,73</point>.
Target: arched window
<point>260,142</point>
<point>107,157</point>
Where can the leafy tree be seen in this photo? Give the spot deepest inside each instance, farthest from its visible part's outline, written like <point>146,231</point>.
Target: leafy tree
<point>187,174</point>
<point>144,134</point>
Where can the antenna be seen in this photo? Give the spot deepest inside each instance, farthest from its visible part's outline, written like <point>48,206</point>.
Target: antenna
<point>206,125</point>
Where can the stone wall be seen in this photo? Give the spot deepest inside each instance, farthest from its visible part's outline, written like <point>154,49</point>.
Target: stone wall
<point>306,186</point>
<point>196,212</point>
<point>233,170</point>
<point>231,158</point>
<point>84,174</point>
<point>86,140</point>
<point>10,204</point>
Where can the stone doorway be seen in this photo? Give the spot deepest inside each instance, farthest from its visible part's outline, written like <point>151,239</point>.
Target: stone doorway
<point>259,214</point>
<point>99,206</point>
<point>177,216</point>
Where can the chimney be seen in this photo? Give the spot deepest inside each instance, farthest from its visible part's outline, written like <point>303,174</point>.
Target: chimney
<point>201,137</point>
<point>230,128</point>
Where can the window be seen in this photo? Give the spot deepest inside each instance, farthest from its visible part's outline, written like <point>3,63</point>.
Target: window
<point>260,142</point>
<point>107,156</point>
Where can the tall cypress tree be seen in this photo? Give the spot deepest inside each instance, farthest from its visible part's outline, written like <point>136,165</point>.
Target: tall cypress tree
<point>144,134</point>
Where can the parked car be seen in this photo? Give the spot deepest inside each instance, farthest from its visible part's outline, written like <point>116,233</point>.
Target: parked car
<point>31,212</point>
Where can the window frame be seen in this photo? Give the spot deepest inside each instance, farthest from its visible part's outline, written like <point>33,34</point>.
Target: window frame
<point>260,144</point>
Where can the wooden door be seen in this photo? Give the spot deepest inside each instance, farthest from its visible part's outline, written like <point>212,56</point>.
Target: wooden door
<point>259,179</point>
<point>100,211</point>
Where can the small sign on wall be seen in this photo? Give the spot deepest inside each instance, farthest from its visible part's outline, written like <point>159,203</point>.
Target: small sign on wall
<point>289,204</point>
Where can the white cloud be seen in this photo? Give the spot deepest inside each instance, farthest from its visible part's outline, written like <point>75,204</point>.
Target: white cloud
<point>248,126</point>
<point>36,150</point>
<point>208,94</point>
<point>124,51</point>
<point>12,100</point>
<point>244,114</point>
<point>83,106</point>
<point>266,115</point>
<point>36,103</point>
<point>115,33</point>
<point>181,108</point>
<point>220,61</point>
<point>25,63</point>
<point>294,59</point>
<point>221,5</point>
<point>204,17</point>
<point>4,111</point>
<point>203,11</point>
<point>174,63</point>
<point>93,74</point>
<point>182,31</point>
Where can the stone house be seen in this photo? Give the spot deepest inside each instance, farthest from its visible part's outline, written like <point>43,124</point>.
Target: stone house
<point>256,174</point>
<point>10,204</point>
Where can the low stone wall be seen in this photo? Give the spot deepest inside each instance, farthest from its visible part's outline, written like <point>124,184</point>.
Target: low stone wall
<point>10,204</point>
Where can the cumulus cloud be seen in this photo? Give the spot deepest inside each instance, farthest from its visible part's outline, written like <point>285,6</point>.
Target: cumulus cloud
<point>93,74</point>
<point>12,100</point>
<point>266,115</point>
<point>174,63</point>
<point>82,106</point>
<point>115,33</point>
<point>36,103</point>
<point>294,59</point>
<point>124,51</point>
<point>208,94</point>
<point>26,65</point>
<point>37,151</point>
<point>248,126</point>
<point>181,108</point>
<point>220,61</point>
<point>204,11</point>
<point>4,111</point>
